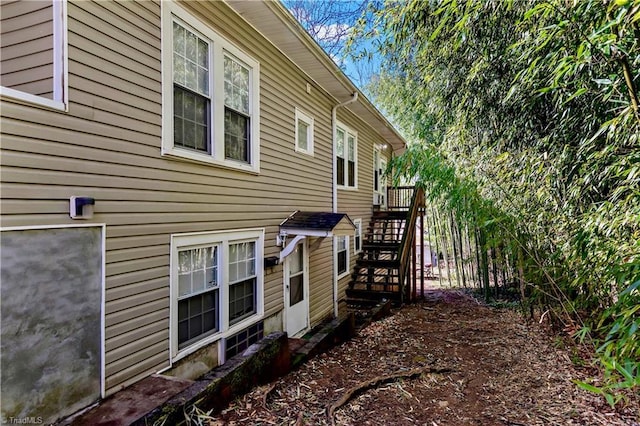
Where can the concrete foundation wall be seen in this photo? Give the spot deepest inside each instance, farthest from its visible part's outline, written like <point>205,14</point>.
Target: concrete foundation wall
<point>51,293</point>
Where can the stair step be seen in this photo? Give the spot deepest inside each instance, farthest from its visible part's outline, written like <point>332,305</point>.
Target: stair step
<point>364,279</point>
<point>381,245</point>
<point>391,244</point>
<point>375,259</point>
<point>380,272</point>
<point>366,263</point>
<point>373,295</point>
<point>372,289</point>
<point>390,214</point>
<point>357,301</point>
<point>376,272</point>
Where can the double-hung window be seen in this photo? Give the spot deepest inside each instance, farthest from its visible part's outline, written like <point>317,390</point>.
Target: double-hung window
<point>346,157</point>
<point>33,52</point>
<point>198,293</point>
<point>342,255</point>
<point>216,286</point>
<point>242,281</point>
<point>304,132</point>
<point>211,95</point>
<point>357,238</point>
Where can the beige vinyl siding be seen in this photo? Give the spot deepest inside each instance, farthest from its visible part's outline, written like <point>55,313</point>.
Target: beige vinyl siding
<point>321,282</point>
<point>108,147</point>
<point>26,46</point>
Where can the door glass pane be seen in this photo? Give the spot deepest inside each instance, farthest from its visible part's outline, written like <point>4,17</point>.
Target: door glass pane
<point>296,289</point>
<point>296,264</point>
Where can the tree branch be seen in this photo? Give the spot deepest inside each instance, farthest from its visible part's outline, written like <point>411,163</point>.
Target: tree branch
<point>356,390</point>
<point>628,78</point>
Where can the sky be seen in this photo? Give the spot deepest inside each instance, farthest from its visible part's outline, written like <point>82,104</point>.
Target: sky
<point>329,22</point>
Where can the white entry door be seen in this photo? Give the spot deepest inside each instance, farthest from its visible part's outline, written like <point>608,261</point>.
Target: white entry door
<point>383,182</point>
<point>379,182</point>
<point>296,290</point>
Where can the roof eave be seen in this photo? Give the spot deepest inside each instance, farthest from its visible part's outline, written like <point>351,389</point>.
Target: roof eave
<point>306,53</point>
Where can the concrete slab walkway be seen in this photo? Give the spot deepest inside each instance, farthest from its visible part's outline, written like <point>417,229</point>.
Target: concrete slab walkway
<point>130,404</point>
<point>165,398</point>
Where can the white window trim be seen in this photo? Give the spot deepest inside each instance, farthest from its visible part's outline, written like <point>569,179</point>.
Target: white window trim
<point>60,99</point>
<point>358,233</point>
<point>222,239</point>
<point>301,116</point>
<point>219,45</point>
<point>347,130</point>
<point>335,257</point>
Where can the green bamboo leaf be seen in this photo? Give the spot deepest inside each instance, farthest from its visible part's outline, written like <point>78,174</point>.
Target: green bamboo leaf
<point>588,387</point>
<point>576,94</point>
<point>602,81</point>
<point>610,399</point>
<point>626,374</point>
<point>631,288</point>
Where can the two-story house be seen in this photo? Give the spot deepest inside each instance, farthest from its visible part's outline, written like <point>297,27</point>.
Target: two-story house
<point>153,156</point>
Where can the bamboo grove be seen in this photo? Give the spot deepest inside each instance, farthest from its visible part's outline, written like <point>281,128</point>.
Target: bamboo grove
<point>525,123</point>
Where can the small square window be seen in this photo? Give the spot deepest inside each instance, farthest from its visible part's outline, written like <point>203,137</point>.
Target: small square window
<point>303,132</point>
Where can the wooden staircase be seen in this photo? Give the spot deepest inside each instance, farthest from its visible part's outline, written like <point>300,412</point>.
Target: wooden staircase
<point>383,266</point>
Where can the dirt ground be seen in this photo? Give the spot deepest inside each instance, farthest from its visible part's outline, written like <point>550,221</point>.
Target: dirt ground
<point>446,361</point>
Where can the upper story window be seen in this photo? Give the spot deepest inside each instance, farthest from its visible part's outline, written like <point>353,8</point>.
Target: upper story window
<point>304,132</point>
<point>346,157</point>
<point>33,52</point>
<point>210,95</point>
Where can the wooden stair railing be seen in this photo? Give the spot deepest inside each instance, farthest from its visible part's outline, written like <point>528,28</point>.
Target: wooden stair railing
<point>385,261</point>
<point>408,242</point>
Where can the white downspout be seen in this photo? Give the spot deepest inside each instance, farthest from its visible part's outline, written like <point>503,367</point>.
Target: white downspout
<point>334,200</point>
